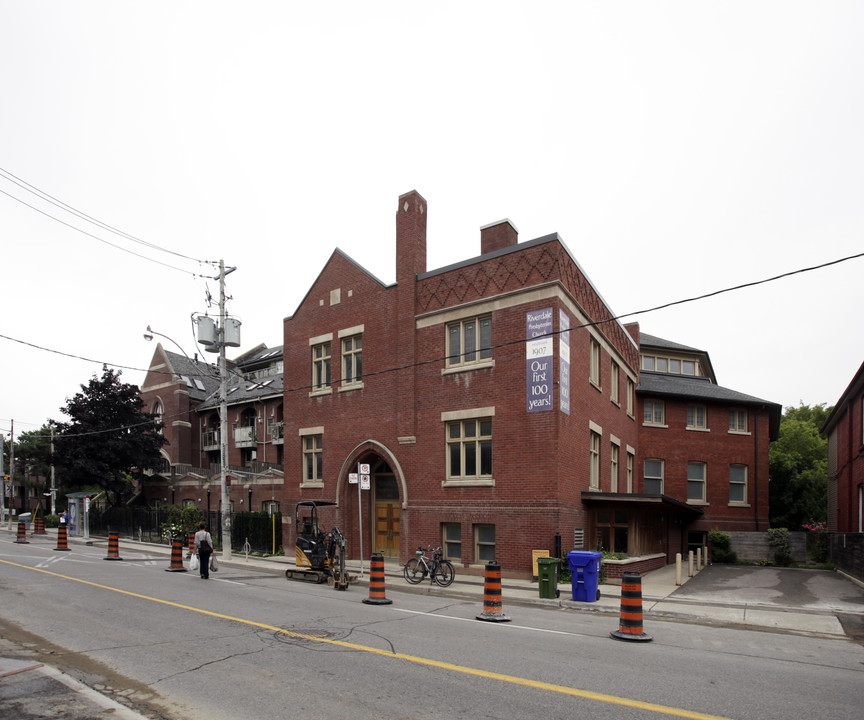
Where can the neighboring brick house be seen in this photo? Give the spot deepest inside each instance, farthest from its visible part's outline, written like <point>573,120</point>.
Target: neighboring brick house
<point>183,392</point>
<point>845,431</point>
<point>701,444</point>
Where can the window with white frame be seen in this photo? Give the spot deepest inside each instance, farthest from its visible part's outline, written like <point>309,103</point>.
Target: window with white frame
<point>321,366</point>
<point>594,461</point>
<point>469,449</point>
<point>630,393</point>
<point>595,363</point>
<point>313,455</point>
<point>613,467</point>
<point>157,416</point>
<point>484,543</point>
<point>696,482</point>
<point>271,507</point>
<point>738,484</point>
<point>631,459</point>
<point>469,341</point>
<point>697,417</point>
<point>452,541</point>
<point>654,412</point>
<point>653,478</point>
<point>613,382</point>
<point>352,360</point>
<point>738,421</point>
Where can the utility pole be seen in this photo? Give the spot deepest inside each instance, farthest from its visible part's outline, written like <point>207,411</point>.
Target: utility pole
<point>53,487</point>
<point>2,479</point>
<point>223,419</point>
<point>11,475</point>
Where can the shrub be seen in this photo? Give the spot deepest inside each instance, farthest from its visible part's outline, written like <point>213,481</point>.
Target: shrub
<point>778,538</point>
<point>721,548</point>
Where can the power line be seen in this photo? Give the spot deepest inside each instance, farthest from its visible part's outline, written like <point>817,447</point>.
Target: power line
<point>501,345</point>
<point>84,216</point>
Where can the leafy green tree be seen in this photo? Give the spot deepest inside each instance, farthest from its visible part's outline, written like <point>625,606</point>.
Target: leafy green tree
<point>798,468</point>
<point>109,439</point>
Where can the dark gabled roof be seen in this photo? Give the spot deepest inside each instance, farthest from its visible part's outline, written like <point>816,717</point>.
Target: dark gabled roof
<point>701,388</point>
<point>261,355</point>
<point>646,340</point>
<point>201,378</point>
<point>845,399</point>
<point>241,390</point>
<point>653,342</point>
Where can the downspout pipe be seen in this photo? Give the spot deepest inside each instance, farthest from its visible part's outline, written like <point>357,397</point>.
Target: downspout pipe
<point>756,466</point>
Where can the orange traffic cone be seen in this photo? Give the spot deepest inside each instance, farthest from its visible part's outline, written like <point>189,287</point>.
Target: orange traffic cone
<point>22,534</point>
<point>190,543</point>
<point>39,526</point>
<point>113,547</point>
<point>176,557</point>
<point>492,610</point>
<point>377,596</point>
<point>62,534</point>
<point>630,621</point>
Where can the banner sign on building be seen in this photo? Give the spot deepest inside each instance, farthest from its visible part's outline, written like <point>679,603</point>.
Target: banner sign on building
<point>538,355</point>
<point>564,365</point>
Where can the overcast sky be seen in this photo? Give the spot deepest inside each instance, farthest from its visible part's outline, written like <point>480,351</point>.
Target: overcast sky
<point>678,148</point>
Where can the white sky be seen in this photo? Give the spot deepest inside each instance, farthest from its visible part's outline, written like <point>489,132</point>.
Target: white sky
<point>678,148</point>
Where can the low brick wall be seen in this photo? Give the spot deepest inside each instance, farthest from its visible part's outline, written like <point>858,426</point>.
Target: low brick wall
<point>642,565</point>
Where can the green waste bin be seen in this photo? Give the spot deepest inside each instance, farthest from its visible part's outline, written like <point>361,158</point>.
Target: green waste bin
<point>547,574</point>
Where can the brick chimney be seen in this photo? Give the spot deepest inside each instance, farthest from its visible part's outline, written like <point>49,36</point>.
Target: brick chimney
<point>410,237</point>
<point>498,235</point>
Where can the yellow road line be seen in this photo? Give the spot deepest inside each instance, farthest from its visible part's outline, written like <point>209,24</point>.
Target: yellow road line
<point>512,679</point>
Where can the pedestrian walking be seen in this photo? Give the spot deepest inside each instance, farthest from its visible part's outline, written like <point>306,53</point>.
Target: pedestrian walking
<point>204,549</point>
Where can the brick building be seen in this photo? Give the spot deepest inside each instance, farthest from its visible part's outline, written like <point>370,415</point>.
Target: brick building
<point>183,392</point>
<point>845,430</point>
<point>702,444</point>
<point>498,406</point>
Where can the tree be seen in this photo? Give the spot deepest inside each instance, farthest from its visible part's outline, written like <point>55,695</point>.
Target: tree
<point>109,439</point>
<point>798,468</point>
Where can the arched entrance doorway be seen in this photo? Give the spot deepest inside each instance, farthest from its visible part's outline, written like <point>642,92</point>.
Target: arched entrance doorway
<point>385,510</point>
<point>381,504</point>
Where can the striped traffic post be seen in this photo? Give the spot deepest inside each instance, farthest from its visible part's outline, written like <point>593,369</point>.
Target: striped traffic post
<point>62,539</point>
<point>176,556</point>
<point>22,534</point>
<point>377,595</point>
<point>630,620</point>
<point>492,606</point>
<point>113,547</point>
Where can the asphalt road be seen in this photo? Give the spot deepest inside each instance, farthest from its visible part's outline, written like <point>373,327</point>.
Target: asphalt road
<point>249,644</point>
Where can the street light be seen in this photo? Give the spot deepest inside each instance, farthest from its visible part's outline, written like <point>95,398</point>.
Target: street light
<point>149,333</point>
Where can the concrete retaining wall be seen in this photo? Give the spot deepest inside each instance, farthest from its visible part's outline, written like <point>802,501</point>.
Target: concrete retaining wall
<point>753,546</point>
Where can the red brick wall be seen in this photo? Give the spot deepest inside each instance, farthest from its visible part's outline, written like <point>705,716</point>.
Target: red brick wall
<point>719,449</point>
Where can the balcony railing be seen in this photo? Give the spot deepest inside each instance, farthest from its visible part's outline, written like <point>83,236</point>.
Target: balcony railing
<point>210,440</point>
<point>245,436</point>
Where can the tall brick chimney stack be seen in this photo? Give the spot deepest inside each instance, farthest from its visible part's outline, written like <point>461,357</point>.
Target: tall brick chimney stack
<point>410,262</point>
<point>498,235</point>
<point>410,237</point>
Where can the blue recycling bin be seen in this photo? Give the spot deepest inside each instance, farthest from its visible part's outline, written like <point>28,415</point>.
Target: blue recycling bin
<point>585,574</point>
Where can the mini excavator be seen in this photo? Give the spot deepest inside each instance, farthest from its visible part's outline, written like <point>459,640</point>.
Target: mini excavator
<point>320,556</point>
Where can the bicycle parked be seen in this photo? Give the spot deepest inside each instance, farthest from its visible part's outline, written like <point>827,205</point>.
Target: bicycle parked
<point>417,569</point>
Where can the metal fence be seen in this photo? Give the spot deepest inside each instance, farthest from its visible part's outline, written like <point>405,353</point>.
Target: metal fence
<point>263,532</point>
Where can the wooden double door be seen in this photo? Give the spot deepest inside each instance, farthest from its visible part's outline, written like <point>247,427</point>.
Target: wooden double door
<point>386,508</point>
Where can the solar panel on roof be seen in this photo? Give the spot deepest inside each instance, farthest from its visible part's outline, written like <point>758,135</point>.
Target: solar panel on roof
<point>199,384</point>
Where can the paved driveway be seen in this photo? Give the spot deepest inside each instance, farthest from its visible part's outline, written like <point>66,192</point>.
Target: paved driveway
<point>816,590</point>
